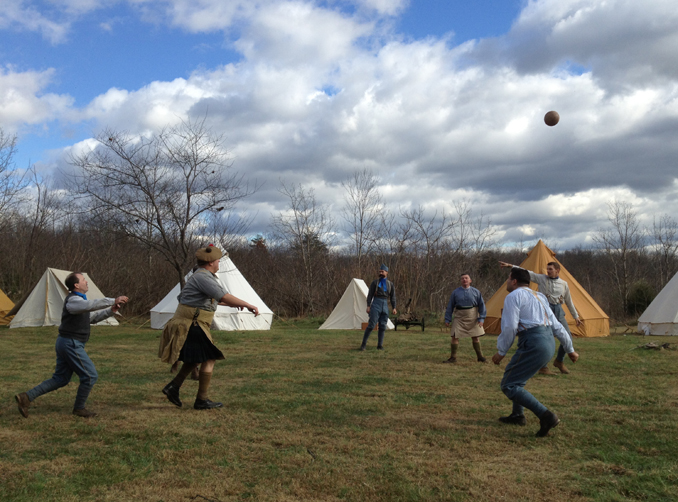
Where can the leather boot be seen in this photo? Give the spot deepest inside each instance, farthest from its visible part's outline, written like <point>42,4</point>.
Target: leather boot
<point>479,352</point>
<point>561,366</point>
<point>547,422</point>
<point>453,353</point>
<point>23,402</point>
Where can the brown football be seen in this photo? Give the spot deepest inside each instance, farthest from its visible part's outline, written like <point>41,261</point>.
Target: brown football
<point>551,118</point>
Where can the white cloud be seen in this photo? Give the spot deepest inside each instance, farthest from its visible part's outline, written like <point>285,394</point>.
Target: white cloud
<point>319,93</point>
<point>388,7</point>
<point>22,15</point>
<point>626,42</point>
<point>22,101</point>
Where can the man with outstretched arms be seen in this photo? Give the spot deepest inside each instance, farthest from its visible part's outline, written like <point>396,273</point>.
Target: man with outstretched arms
<point>557,292</point>
<point>381,291</point>
<point>468,308</point>
<point>77,316</point>
<point>187,335</point>
<point>526,315</point>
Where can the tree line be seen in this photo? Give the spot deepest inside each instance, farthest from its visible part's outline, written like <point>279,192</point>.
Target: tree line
<point>132,209</point>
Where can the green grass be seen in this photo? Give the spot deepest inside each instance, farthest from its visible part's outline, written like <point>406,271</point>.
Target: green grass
<point>308,417</point>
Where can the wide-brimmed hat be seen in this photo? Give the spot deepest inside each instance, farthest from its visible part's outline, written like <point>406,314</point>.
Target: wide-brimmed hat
<point>209,253</point>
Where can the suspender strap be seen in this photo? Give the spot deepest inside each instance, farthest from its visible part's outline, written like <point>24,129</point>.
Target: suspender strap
<point>546,317</point>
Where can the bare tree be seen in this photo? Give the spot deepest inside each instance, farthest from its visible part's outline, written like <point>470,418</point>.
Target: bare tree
<point>160,189</point>
<point>665,235</point>
<point>621,241</point>
<point>472,234</point>
<point>42,211</point>
<point>361,212</point>
<point>11,183</point>
<point>306,228</point>
<point>430,236</point>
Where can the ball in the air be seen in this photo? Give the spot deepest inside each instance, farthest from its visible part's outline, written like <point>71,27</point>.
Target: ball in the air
<point>551,118</point>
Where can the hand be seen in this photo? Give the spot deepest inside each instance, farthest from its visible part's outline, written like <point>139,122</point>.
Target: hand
<point>447,324</point>
<point>253,309</point>
<point>496,359</point>
<point>368,310</point>
<point>480,323</point>
<point>573,356</point>
<point>503,264</point>
<point>121,300</point>
<point>578,322</point>
<point>115,308</point>
<point>395,312</point>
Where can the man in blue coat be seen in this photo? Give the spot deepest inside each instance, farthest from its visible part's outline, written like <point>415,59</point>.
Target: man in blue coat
<point>381,291</point>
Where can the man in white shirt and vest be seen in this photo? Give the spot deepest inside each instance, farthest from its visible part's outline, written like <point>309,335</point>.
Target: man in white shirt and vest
<point>526,314</point>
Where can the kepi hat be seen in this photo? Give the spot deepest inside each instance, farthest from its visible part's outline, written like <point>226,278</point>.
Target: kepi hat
<point>209,253</point>
<point>383,267</point>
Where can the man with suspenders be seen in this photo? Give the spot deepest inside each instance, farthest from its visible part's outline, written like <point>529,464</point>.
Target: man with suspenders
<point>526,314</point>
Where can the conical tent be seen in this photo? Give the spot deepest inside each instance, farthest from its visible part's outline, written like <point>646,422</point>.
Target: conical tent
<point>43,307</point>
<point>351,311</point>
<point>6,306</point>
<point>596,322</point>
<point>225,318</point>
<point>661,316</point>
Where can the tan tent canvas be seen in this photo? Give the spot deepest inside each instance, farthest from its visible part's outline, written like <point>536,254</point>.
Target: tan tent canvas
<point>351,311</point>
<point>661,316</point>
<point>5,306</point>
<point>596,322</point>
<point>44,305</point>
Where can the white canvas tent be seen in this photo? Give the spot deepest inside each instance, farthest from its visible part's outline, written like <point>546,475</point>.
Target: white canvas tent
<point>351,311</point>
<point>225,318</point>
<point>43,307</point>
<point>661,316</point>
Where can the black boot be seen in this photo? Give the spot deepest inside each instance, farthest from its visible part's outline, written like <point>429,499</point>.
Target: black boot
<point>172,393</point>
<point>205,404</point>
<point>547,422</point>
<point>514,419</point>
<point>368,331</point>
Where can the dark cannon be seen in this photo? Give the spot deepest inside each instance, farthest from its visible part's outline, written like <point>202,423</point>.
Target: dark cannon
<point>409,319</point>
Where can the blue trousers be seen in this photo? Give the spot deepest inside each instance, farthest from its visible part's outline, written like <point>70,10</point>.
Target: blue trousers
<point>535,348</point>
<point>560,315</point>
<point>71,358</point>
<point>378,314</point>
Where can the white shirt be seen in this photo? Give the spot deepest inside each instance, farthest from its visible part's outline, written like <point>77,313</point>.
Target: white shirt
<point>556,290</point>
<point>524,309</point>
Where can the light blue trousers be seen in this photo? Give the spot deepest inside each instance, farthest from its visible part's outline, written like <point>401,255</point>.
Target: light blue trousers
<point>378,314</point>
<point>560,315</point>
<point>535,349</point>
<point>71,358</point>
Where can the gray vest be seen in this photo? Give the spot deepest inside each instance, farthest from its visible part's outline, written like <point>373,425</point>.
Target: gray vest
<point>74,326</point>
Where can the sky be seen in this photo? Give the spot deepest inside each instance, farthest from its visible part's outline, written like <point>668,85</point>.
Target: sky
<point>443,100</point>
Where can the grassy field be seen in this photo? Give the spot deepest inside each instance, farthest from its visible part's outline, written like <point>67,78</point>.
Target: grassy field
<point>308,417</point>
